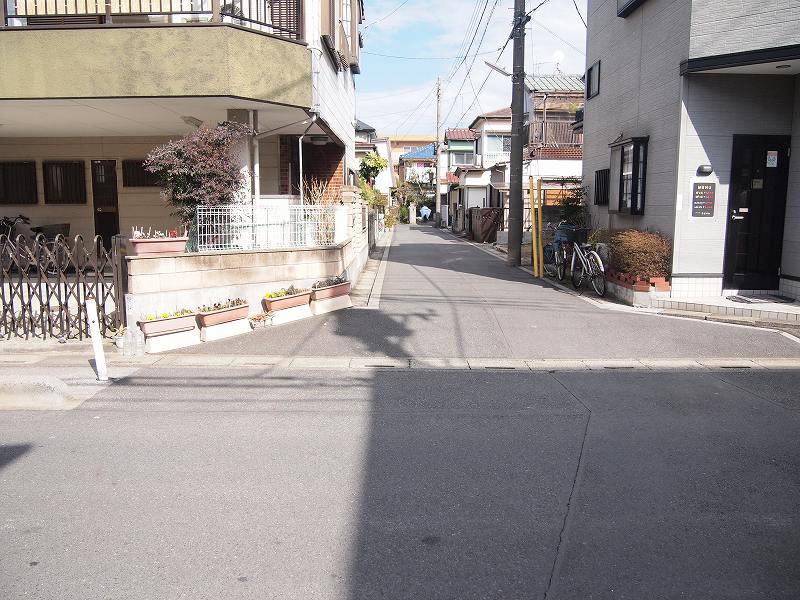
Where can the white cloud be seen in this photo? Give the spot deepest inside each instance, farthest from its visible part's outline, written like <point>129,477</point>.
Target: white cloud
<point>389,104</point>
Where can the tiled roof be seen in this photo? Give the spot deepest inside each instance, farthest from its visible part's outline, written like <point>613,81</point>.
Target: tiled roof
<point>503,113</point>
<point>555,83</point>
<point>361,126</point>
<point>558,153</point>
<point>461,133</point>
<point>422,152</point>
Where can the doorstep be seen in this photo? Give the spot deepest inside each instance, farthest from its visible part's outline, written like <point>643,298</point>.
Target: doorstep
<point>721,307</point>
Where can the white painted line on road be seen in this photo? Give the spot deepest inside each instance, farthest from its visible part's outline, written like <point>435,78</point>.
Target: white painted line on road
<point>377,287</point>
<point>379,362</point>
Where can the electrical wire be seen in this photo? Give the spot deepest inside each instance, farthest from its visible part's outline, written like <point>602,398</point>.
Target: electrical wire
<point>387,15</point>
<point>577,10</point>
<point>558,37</point>
<point>426,57</point>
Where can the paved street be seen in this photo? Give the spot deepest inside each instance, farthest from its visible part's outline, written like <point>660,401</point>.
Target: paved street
<point>282,481</point>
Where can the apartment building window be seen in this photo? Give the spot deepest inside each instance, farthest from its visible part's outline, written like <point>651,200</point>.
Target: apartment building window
<point>64,182</point>
<point>347,22</point>
<point>135,175</point>
<point>593,80</point>
<point>18,182</point>
<point>629,163</point>
<point>462,158</point>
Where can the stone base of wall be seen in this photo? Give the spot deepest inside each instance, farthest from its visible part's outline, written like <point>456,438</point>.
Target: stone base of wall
<point>790,288</point>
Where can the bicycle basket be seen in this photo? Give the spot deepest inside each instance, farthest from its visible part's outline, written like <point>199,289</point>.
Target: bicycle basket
<point>570,233</point>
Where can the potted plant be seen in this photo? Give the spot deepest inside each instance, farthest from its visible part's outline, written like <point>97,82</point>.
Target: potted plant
<point>157,242</point>
<point>222,312</point>
<point>164,323</point>
<point>330,288</point>
<point>286,298</point>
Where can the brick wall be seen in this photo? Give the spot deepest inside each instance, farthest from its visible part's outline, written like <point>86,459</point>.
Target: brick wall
<point>325,163</point>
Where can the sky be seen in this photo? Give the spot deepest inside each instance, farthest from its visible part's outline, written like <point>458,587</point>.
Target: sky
<point>396,95</point>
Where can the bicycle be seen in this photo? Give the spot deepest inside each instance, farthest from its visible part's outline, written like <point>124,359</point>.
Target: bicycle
<point>555,254</point>
<point>586,263</point>
<point>9,248</point>
<point>51,256</point>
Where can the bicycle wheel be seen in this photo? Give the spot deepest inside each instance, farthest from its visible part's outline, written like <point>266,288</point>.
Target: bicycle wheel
<point>577,272</point>
<point>598,274</point>
<point>561,261</point>
<point>548,258</point>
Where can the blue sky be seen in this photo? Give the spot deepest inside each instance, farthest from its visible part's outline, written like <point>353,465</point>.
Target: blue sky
<point>396,95</point>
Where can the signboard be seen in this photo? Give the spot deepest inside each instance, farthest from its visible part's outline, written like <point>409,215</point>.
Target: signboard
<point>772,159</point>
<point>703,197</point>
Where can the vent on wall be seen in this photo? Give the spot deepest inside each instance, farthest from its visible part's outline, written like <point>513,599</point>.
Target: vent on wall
<point>601,187</point>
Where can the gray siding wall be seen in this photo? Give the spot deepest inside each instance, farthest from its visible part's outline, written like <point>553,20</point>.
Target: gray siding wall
<point>727,26</point>
<point>715,108</point>
<point>791,236</point>
<point>639,95</point>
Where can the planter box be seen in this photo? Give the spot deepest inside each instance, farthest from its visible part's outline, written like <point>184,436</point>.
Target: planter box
<point>165,326</point>
<point>223,315</point>
<point>273,304</point>
<point>158,246</point>
<point>332,291</point>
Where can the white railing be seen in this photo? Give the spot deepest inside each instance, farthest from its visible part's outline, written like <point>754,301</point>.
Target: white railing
<point>269,226</point>
<point>492,158</point>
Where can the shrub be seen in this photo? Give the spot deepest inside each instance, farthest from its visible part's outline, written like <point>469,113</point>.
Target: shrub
<point>599,236</point>
<point>641,253</point>
<point>404,214</point>
<point>391,216</point>
<point>200,168</point>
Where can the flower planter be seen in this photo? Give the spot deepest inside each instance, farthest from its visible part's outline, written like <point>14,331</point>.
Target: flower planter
<point>331,291</point>
<point>223,315</point>
<point>273,304</point>
<point>170,325</point>
<point>141,247</point>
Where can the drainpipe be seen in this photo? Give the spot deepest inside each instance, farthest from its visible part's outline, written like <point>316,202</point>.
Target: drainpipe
<point>300,148</point>
<point>255,158</point>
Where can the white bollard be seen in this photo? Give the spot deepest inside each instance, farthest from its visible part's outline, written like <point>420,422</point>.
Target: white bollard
<point>97,341</point>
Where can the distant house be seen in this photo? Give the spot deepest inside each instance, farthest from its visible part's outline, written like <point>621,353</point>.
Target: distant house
<point>418,165</point>
<point>692,108</point>
<point>367,141</point>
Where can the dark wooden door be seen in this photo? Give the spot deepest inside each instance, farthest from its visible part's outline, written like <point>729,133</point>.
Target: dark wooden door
<point>106,206</point>
<point>756,210</point>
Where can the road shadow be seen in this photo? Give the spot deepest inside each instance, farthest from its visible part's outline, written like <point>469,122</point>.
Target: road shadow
<point>11,452</point>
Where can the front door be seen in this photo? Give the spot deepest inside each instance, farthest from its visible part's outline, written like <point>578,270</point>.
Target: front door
<point>106,208</point>
<point>756,208</point>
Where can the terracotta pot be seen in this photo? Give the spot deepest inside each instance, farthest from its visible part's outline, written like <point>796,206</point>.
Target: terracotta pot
<point>223,315</point>
<point>272,304</point>
<point>168,325</point>
<point>332,291</point>
<point>158,246</point>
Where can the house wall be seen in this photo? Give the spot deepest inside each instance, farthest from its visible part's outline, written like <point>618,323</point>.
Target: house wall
<point>485,128</point>
<point>715,108</point>
<point>639,95</point>
<point>790,268</point>
<point>728,26</point>
<point>384,182</point>
<point>269,165</point>
<point>138,206</point>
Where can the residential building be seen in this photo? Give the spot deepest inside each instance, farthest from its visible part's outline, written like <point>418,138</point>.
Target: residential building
<point>418,165</point>
<point>691,111</point>
<point>403,144</point>
<point>86,91</point>
<point>367,141</point>
<point>493,136</point>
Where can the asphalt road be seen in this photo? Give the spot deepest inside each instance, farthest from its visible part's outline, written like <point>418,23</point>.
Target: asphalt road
<point>192,483</point>
<point>445,298</point>
<point>356,484</point>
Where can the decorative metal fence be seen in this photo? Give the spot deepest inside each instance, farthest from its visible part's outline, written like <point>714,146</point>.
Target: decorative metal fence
<point>44,285</point>
<point>254,227</point>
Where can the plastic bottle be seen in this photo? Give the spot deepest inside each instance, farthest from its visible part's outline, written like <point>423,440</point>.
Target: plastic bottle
<point>127,343</point>
<point>139,341</point>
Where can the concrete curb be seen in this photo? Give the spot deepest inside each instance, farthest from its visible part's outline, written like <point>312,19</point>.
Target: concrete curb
<point>36,393</point>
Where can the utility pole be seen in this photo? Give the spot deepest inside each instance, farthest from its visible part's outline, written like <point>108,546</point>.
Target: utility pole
<point>436,149</point>
<point>517,143</point>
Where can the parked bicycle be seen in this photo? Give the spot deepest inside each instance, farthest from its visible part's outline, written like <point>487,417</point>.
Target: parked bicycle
<point>555,253</point>
<point>44,250</point>
<point>586,264</point>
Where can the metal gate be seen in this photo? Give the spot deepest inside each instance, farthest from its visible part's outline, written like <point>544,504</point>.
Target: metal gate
<point>44,285</point>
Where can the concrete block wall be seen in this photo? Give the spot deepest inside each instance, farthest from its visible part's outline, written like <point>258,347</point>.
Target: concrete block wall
<point>166,283</point>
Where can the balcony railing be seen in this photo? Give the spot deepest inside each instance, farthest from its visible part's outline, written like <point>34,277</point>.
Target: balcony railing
<point>283,18</point>
<point>492,158</point>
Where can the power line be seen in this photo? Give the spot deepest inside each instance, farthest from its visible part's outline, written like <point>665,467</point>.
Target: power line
<point>480,89</point>
<point>558,37</point>
<point>483,36</point>
<point>425,57</point>
<point>404,121</point>
<point>577,10</point>
<point>387,15</point>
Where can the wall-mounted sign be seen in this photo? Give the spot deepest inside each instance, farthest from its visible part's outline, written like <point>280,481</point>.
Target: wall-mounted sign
<point>703,197</point>
<point>758,184</point>
<point>772,159</point>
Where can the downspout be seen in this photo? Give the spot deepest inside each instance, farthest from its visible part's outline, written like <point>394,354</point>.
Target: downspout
<point>300,154</point>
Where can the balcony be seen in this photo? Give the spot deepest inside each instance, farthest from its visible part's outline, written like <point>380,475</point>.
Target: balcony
<point>492,158</point>
<point>155,49</point>
<point>282,18</point>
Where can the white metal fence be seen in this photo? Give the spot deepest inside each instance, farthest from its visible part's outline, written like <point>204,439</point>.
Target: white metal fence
<point>263,227</point>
